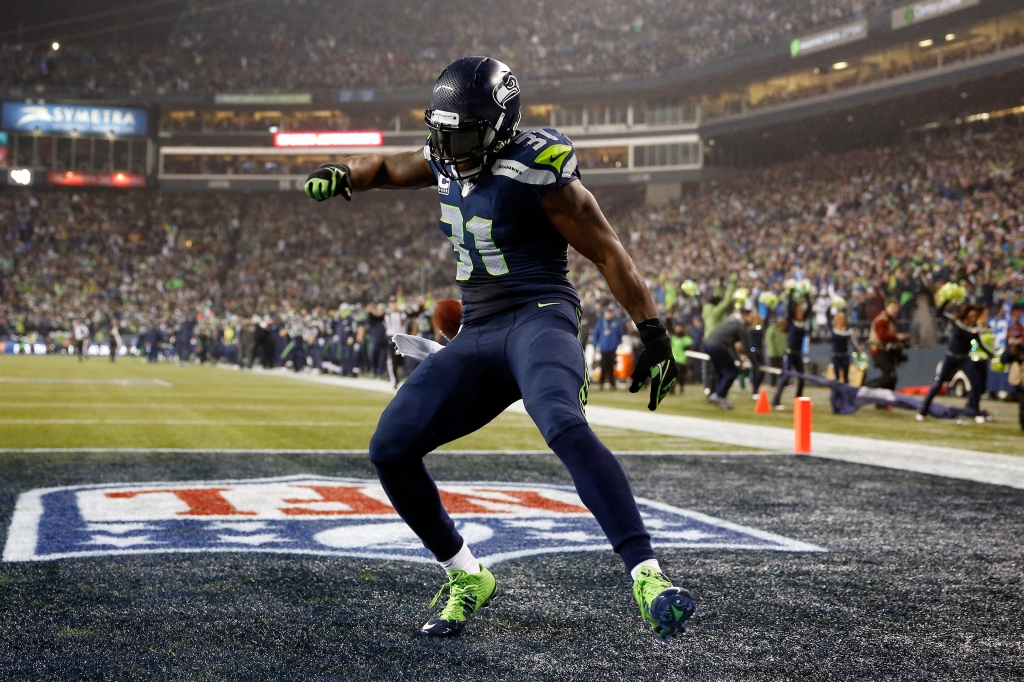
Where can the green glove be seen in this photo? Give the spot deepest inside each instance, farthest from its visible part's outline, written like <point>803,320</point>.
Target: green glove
<point>734,278</point>
<point>329,180</point>
<point>655,362</point>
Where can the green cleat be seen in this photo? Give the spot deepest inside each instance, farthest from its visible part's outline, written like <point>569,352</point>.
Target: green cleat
<point>665,607</point>
<point>467,592</point>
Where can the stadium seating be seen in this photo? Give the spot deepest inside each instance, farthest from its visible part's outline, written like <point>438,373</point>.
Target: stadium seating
<point>361,44</point>
<point>883,221</point>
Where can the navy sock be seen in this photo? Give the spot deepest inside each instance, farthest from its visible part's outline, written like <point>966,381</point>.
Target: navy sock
<point>414,496</point>
<point>603,487</point>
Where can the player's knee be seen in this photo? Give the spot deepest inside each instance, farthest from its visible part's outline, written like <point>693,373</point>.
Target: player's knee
<point>389,446</point>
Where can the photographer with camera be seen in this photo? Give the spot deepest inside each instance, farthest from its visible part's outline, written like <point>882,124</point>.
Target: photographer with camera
<point>886,346</point>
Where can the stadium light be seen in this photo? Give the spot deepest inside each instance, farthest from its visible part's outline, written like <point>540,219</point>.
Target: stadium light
<point>21,176</point>
<point>950,37</point>
<point>55,46</point>
<point>351,138</point>
<point>927,42</point>
<point>839,66</point>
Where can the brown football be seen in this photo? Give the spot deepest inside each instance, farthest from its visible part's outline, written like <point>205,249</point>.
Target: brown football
<point>448,317</point>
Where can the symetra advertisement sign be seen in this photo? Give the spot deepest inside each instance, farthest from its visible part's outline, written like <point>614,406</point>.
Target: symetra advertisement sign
<point>317,515</point>
<point>66,118</point>
<point>822,40</point>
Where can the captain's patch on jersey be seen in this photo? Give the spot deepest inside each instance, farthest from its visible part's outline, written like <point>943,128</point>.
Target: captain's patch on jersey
<point>335,517</point>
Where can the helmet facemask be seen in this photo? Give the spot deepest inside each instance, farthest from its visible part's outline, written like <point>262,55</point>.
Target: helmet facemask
<point>455,143</point>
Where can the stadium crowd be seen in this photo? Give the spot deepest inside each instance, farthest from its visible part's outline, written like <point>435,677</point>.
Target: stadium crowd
<point>248,46</point>
<point>868,225</point>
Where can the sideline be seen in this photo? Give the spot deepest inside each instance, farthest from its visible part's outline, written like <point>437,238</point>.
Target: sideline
<point>366,453</point>
<point>969,465</point>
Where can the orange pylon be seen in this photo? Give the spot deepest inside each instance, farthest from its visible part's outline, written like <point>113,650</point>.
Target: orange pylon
<point>762,406</point>
<point>802,426</point>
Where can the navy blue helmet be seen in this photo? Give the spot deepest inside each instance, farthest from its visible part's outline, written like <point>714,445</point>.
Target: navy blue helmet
<point>474,112</point>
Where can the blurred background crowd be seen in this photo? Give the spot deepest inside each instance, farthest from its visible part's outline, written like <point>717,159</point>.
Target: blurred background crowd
<point>868,226</point>
<point>232,46</point>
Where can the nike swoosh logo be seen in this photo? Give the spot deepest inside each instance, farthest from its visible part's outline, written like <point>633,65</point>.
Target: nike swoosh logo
<point>545,305</point>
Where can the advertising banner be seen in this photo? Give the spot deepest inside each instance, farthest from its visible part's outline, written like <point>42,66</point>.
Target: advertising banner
<point>66,118</point>
<point>267,98</point>
<point>75,179</point>
<point>929,9</point>
<point>348,138</point>
<point>822,40</point>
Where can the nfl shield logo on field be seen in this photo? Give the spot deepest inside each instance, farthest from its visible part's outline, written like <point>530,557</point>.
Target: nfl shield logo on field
<point>334,517</point>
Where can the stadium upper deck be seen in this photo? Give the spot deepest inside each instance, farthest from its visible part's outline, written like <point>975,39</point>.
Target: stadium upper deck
<point>305,44</point>
<point>369,51</point>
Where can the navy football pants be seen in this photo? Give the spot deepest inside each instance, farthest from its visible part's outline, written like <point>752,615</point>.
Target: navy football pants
<point>725,369</point>
<point>529,353</point>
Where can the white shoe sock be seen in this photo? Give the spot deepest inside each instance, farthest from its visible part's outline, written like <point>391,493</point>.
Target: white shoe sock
<point>653,563</point>
<point>464,561</point>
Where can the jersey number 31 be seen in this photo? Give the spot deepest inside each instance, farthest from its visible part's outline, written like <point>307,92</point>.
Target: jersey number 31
<point>480,228</point>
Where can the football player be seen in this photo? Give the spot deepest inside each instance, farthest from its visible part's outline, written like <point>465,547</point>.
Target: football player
<point>511,203</point>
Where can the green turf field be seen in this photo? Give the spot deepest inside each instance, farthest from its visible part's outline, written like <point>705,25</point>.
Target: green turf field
<point>59,402</point>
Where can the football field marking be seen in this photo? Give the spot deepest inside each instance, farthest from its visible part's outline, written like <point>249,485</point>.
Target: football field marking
<point>115,382</point>
<point>181,422</point>
<point>198,406</point>
<point>366,453</point>
<point>330,516</point>
<point>970,465</point>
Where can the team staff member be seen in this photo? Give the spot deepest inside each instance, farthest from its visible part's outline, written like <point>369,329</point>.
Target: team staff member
<point>775,346</point>
<point>115,340</point>
<point>798,326</point>
<point>80,334</point>
<point>377,340</point>
<point>608,335</point>
<point>511,204</point>
<point>885,345</point>
<point>727,343</point>
<point>756,336</point>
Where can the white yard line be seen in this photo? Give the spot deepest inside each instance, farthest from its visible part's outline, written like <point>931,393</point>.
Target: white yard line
<point>116,382</point>
<point>496,453</point>
<point>969,465</point>
<point>185,422</point>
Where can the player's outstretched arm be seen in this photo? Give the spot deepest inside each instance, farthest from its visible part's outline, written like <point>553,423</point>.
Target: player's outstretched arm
<point>406,170</point>
<point>574,212</point>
